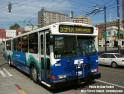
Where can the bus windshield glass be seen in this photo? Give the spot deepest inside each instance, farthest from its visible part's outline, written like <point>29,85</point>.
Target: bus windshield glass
<point>86,46</point>
<point>73,46</point>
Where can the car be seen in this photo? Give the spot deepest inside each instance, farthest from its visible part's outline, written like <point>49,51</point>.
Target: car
<point>112,59</point>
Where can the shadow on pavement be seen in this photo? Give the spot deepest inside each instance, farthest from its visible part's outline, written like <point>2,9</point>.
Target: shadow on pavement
<point>66,88</point>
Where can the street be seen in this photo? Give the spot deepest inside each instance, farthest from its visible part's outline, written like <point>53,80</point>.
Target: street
<point>13,81</point>
<point>54,43</point>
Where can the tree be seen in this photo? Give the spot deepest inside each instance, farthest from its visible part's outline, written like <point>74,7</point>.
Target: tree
<point>15,27</point>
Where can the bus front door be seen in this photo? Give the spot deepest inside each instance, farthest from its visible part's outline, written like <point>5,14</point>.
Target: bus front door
<point>45,59</point>
<point>42,56</point>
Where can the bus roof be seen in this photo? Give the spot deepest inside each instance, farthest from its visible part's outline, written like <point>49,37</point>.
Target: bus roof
<point>50,26</point>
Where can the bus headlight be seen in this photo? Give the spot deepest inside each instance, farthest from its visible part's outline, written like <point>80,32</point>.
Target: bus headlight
<point>94,70</point>
<point>62,76</point>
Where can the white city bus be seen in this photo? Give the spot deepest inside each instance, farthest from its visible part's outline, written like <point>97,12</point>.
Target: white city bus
<point>64,52</point>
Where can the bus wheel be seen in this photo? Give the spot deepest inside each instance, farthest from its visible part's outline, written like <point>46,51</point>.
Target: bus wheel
<point>34,74</point>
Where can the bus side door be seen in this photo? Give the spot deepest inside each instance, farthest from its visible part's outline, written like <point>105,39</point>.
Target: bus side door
<point>45,57</point>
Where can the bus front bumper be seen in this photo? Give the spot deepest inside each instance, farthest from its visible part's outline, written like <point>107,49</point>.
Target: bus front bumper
<point>74,81</point>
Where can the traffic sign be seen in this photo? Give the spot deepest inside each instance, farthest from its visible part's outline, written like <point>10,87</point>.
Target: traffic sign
<point>105,34</point>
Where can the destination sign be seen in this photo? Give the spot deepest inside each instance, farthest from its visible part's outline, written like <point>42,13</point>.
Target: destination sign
<point>75,29</point>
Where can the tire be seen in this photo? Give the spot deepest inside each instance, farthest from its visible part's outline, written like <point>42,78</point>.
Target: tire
<point>114,65</point>
<point>34,73</point>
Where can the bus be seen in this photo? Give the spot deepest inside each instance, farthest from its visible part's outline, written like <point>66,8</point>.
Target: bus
<point>59,54</point>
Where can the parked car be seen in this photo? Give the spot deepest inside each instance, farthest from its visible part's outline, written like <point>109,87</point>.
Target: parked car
<point>111,59</point>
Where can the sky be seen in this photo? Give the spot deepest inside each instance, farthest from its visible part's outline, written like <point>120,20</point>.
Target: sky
<point>25,12</point>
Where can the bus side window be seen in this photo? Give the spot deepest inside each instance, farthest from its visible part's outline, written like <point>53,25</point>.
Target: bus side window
<point>18,44</point>
<point>15,44</point>
<point>33,43</point>
<point>25,43</point>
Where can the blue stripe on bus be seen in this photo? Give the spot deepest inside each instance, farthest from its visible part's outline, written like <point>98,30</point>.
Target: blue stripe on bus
<point>19,57</point>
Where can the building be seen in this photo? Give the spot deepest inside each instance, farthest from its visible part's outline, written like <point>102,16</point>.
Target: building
<point>10,33</point>
<point>101,27</point>
<point>112,38</point>
<point>6,34</point>
<point>2,35</point>
<point>81,19</point>
<point>18,32</point>
<point>49,17</point>
<point>30,28</point>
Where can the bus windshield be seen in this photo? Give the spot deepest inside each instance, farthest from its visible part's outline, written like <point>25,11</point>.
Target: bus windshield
<point>86,47</point>
<point>72,46</point>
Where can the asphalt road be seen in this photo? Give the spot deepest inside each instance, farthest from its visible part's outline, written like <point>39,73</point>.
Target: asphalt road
<point>13,81</point>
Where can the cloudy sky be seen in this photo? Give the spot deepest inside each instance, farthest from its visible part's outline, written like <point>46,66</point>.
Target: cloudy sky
<point>25,11</point>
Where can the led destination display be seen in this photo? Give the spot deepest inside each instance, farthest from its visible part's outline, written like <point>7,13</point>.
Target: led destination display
<point>75,29</point>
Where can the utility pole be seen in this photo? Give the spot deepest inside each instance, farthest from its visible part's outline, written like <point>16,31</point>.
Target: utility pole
<point>118,19</point>
<point>105,28</point>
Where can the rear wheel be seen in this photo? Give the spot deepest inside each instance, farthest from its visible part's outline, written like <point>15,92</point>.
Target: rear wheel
<point>34,74</point>
<point>114,64</point>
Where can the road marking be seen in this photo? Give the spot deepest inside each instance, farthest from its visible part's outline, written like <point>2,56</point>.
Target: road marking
<point>20,89</point>
<point>45,84</point>
<point>9,74</point>
<point>109,83</point>
<point>2,73</point>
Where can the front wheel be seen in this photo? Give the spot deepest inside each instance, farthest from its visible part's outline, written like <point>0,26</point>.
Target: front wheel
<point>34,74</point>
<point>114,64</point>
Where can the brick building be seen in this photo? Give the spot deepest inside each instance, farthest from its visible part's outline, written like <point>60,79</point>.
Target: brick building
<point>3,36</point>
<point>81,19</point>
<point>101,27</point>
<point>6,34</point>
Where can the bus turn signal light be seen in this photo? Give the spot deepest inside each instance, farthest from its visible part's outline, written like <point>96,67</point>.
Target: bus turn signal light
<point>53,77</point>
